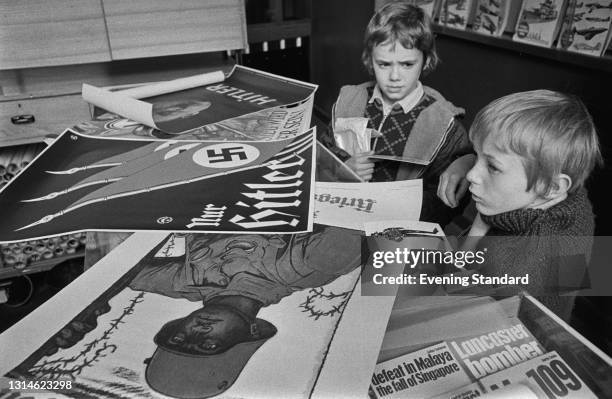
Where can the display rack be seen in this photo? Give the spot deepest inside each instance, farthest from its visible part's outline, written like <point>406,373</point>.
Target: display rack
<point>603,63</point>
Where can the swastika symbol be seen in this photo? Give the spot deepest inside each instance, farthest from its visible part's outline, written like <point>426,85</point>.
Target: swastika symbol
<point>226,154</point>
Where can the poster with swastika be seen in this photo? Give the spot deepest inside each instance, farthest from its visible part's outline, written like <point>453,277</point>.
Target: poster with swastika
<point>112,184</point>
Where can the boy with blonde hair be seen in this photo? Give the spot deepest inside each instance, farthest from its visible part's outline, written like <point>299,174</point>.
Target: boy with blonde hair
<point>535,151</point>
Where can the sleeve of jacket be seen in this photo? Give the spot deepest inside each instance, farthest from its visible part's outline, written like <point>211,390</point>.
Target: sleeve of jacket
<point>455,145</point>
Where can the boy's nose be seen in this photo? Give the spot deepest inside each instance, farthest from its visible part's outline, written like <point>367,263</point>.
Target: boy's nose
<point>394,73</point>
<point>472,175</point>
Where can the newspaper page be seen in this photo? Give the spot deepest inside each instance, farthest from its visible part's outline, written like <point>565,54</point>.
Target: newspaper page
<point>350,205</point>
<point>421,374</point>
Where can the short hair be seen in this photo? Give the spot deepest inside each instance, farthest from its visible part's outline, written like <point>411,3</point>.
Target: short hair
<point>399,21</point>
<point>553,133</point>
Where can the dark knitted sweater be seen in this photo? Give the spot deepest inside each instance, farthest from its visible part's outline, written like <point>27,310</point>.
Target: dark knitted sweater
<point>540,242</point>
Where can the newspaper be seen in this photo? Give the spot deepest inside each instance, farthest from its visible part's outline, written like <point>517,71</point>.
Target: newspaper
<point>350,205</point>
<point>421,374</point>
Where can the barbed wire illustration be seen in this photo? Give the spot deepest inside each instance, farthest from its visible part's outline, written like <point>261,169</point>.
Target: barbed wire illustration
<point>93,351</point>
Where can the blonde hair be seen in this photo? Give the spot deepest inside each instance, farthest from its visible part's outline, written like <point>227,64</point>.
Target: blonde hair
<point>553,133</point>
<point>401,22</point>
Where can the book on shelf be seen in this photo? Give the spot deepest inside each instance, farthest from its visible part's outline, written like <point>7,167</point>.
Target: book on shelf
<point>539,22</point>
<point>457,14</point>
<point>586,27</point>
<point>494,17</point>
<point>547,376</point>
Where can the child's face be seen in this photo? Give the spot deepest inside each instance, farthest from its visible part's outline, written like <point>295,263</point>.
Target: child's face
<point>397,70</point>
<point>498,181</point>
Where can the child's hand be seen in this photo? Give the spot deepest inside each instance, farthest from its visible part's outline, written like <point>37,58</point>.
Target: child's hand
<point>453,185</point>
<point>362,165</point>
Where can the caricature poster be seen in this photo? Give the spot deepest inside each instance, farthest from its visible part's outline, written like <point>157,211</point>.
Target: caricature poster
<point>244,91</point>
<point>86,183</point>
<point>268,124</point>
<point>209,315</point>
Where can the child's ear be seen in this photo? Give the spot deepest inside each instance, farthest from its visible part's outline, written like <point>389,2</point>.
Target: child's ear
<point>561,184</point>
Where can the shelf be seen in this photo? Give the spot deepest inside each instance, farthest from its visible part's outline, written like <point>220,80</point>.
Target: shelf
<point>53,94</point>
<point>271,31</point>
<point>505,42</point>
<point>38,266</point>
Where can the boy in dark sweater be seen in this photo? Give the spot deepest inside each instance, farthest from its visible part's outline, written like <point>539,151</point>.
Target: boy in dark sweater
<point>534,151</point>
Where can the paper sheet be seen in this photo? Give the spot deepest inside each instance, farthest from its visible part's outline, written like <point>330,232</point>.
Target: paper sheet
<point>350,205</point>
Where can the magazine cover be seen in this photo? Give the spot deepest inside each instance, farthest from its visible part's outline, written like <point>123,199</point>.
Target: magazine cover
<point>196,316</point>
<point>493,17</point>
<point>547,376</point>
<point>89,183</point>
<point>484,354</point>
<point>457,13</point>
<point>586,27</point>
<point>539,22</point>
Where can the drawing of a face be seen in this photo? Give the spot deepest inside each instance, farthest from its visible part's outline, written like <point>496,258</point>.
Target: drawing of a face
<point>171,110</point>
<point>209,331</point>
<point>201,355</point>
<point>217,261</point>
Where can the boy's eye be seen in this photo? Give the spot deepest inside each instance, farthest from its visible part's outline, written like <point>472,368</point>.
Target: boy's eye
<point>383,64</point>
<point>407,64</point>
<point>492,168</point>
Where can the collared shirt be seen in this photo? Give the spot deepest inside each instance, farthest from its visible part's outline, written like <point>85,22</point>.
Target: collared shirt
<point>407,103</point>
